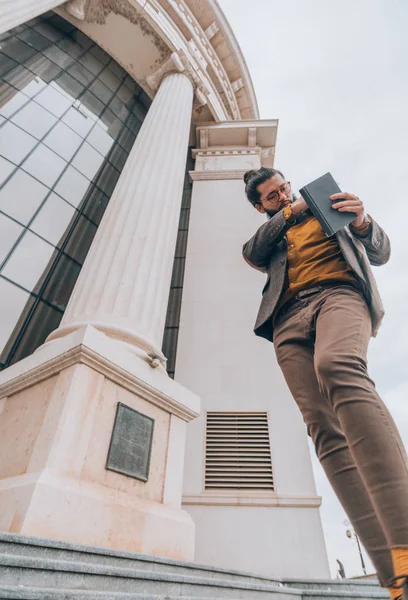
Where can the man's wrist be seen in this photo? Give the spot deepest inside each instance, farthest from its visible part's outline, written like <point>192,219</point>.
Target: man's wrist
<point>363,228</point>
<point>289,215</point>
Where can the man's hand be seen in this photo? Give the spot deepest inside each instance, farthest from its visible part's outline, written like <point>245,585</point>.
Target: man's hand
<point>299,206</point>
<point>350,203</point>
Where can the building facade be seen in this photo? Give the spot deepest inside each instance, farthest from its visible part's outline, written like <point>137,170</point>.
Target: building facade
<point>125,129</point>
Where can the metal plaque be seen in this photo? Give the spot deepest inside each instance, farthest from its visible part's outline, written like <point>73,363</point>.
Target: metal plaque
<point>131,443</point>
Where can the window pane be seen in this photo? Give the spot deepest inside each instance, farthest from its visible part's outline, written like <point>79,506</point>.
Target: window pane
<point>87,160</point>
<point>70,47</point>
<point>81,239</point>
<point>107,179</point>
<point>109,79</point>
<point>6,168</point>
<point>28,261</point>
<point>100,139</point>
<point>78,121</point>
<point>34,39</point>
<point>43,67</point>
<point>91,63</point>
<point>53,101</point>
<point>48,31</point>
<point>112,123</point>
<point>126,139</point>
<point>125,94</point>
<point>34,119</point>
<point>71,87</point>
<point>118,157</point>
<point>6,64</point>
<point>119,109</point>
<point>17,50</point>
<point>42,322</point>
<point>11,100</point>
<point>9,232</point>
<point>92,103</point>
<point>72,186</point>
<point>45,165</point>
<point>61,281</point>
<point>58,56</point>
<point>81,74</point>
<point>25,81</point>
<point>63,141</point>
<point>100,54</point>
<point>15,143</point>
<point>53,219</point>
<point>95,205</point>
<point>103,93</point>
<point>21,196</point>
<point>12,301</point>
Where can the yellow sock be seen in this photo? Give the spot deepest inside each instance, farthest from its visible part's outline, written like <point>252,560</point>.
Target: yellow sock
<point>400,562</point>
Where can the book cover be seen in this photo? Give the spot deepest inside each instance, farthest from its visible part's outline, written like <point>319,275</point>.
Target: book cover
<point>317,195</point>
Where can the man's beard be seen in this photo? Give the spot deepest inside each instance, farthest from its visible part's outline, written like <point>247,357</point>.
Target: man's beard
<point>270,213</point>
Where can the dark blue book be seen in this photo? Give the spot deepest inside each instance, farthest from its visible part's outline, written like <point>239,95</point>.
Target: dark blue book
<point>317,196</point>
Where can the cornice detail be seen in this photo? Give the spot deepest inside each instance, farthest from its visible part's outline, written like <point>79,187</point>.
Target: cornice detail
<point>252,499</point>
<point>217,175</point>
<point>205,50</point>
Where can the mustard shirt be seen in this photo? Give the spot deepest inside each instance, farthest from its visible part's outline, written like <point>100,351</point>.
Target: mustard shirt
<point>313,258</point>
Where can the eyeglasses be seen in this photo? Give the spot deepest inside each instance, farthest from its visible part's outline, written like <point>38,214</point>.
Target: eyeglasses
<point>284,189</point>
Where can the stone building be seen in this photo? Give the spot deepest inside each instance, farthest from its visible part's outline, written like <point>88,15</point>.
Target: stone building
<point>137,409</point>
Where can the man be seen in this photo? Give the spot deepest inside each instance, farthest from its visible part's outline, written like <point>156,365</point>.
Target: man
<point>320,306</point>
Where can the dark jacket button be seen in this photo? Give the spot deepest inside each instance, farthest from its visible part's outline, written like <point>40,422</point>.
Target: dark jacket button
<point>282,262</point>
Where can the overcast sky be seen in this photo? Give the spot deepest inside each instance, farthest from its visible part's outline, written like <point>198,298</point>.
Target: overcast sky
<point>335,74</point>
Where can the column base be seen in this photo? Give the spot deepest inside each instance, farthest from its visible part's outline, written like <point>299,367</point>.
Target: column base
<point>57,414</point>
<point>63,508</point>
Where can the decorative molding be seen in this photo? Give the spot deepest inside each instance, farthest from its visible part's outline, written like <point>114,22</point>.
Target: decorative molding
<point>216,175</point>
<point>237,85</point>
<point>211,30</point>
<point>252,499</point>
<point>214,151</point>
<point>251,137</point>
<point>76,8</point>
<point>82,354</point>
<point>204,48</point>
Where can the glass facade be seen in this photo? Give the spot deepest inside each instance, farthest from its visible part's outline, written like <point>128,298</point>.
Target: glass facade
<point>69,115</point>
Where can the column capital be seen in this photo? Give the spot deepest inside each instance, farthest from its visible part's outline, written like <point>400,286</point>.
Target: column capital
<point>179,62</point>
<point>227,149</point>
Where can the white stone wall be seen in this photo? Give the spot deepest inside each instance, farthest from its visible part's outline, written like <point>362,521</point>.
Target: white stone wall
<point>221,359</point>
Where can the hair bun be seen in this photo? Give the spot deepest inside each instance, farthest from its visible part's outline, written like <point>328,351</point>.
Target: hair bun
<point>249,175</point>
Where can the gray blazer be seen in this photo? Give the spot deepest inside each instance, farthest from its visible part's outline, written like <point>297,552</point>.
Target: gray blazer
<point>266,251</point>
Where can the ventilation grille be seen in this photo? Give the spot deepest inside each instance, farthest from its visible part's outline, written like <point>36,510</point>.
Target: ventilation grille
<point>238,454</point>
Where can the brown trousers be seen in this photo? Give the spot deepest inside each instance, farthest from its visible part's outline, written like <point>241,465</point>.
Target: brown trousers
<point>321,346</point>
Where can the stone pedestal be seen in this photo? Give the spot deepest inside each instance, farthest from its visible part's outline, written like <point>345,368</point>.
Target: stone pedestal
<point>58,406</point>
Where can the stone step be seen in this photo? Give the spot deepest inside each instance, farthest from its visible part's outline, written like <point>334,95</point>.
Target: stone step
<point>363,586</point>
<point>41,593</point>
<point>32,593</point>
<point>45,572</point>
<point>34,569</point>
<point>19,545</point>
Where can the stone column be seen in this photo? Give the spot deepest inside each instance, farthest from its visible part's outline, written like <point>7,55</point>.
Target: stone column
<point>16,12</point>
<point>124,285</point>
<point>57,480</point>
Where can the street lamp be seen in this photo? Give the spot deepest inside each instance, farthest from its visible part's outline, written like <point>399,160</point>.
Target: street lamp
<point>351,534</point>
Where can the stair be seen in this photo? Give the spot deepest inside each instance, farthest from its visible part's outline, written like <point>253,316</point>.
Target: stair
<point>38,569</point>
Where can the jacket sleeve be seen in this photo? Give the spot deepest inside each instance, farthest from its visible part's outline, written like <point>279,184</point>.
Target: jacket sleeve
<point>376,243</point>
<point>258,250</point>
